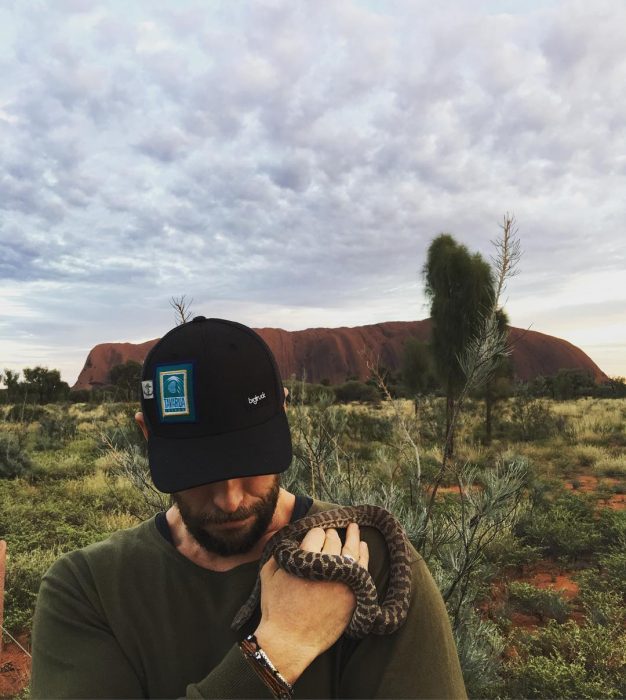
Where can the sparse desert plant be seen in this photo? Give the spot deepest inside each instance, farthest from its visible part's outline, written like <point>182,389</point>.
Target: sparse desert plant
<point>546,603</point>
<point>23,576</point>
<point>54,430</point>
<point>480,645</point>
<point>530,419</point>
<point>611,466</point>
<point>14,459</point>
<point>24,413</point>
<point>588,455</point>
<point>551,525</point>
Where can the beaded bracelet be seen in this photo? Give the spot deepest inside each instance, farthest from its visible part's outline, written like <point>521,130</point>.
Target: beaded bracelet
<point>264,668</point>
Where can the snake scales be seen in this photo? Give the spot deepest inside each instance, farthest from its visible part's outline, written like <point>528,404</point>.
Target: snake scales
<point>369,617</point>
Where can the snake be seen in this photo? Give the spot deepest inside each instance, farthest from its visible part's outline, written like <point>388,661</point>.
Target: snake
<point>368,617</point>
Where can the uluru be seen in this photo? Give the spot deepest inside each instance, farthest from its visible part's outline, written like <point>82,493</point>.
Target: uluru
<point>334,354</point>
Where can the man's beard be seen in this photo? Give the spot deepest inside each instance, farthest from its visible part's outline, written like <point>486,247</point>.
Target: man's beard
<point>229,541</point>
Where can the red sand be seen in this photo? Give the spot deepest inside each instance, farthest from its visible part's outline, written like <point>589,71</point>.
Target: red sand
<point>14,669</point>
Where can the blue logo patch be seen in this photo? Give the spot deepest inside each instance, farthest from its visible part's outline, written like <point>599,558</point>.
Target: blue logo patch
<point>176,393</point>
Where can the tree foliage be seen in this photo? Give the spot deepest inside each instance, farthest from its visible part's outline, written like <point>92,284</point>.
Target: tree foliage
<point>40,385</point>
<point>461,289</point>
<point>418,375</point>
<point>126,377</point>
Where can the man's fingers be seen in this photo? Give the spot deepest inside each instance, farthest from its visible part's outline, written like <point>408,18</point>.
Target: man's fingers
<point>332,544</point>
<point>351,546</point>
<point>329,542</point>
<point>313,540</point>
<point>364,555</point>
<point>269,568</point>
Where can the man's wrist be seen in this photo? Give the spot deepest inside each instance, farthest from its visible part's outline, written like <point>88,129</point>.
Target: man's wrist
<point>288,658</point>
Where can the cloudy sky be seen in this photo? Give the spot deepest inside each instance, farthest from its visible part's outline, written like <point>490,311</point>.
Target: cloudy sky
<point>287,163</point>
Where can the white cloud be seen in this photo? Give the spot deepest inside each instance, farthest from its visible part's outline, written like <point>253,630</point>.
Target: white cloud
<point>302,155</point>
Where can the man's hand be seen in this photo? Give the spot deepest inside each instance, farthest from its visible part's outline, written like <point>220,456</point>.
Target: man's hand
<point>300,619</point>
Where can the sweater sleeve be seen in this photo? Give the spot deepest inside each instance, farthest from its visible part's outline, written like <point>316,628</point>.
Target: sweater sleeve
<point>76,655</point>
<point>417,661</point>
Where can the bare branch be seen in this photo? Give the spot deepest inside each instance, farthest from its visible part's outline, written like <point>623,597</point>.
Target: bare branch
<point>182,309</point>
<point>508,254</point>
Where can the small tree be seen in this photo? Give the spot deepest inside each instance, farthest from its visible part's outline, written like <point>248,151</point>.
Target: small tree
<point>461,290</point>
<point>45,384</point>
<point>127,378</point>
<point>418,374</point>
<point>500,384</point>
<point>11,380</point>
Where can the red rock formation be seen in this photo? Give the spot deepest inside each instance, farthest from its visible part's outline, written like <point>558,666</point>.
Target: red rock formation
<point>338,353</point>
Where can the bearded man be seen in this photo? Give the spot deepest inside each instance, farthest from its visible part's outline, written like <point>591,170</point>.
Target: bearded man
<point>148,611</point>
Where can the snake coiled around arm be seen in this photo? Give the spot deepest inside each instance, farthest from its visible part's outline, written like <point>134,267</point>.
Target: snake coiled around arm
<point>369,617</point>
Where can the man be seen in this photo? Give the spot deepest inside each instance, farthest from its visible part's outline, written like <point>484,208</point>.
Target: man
<point>147,612</point>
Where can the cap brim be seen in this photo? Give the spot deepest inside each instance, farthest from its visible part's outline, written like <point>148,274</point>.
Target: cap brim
<point>177,464</point>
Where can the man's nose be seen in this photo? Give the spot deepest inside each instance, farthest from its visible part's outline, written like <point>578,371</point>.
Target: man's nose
<point>228,495</point>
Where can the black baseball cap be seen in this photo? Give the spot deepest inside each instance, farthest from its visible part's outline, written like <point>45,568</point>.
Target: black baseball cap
<point>213,401</point>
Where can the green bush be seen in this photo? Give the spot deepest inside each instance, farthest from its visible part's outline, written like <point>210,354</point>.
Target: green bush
<point>14,460</point>
<point>356,391</point>
<point>530,419</point>
<point>565,527</point>
<point>23,576</point>
<point>614,564</point>
<point>307,394</point>
<point>546,603</point>
<point>480,645</point>
<point>24,413</point>
<point>570,661</point>
<point>554,677</point>
<point>367,427</point>
<point>54,431</point>
<point>507,551</point>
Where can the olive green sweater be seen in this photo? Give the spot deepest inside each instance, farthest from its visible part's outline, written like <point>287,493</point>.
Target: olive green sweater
<point>131,617</point>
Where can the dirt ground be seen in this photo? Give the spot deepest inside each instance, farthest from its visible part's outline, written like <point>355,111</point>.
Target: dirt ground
<point>14,669</point>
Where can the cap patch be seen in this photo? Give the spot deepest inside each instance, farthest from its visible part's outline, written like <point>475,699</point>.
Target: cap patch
<point>175,386</point>
<point>147,388</point>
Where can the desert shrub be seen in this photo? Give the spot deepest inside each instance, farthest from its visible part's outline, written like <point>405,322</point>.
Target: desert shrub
<point>120,430</point>
<point>508,551</point>
<point>54,431</point>
<point>24,413</point>
<point>554,677</point>
<point>61,464</point>
<point>565,527</point>
<point>570,661</point>
<point>611,466</point>
<point>368,427</point>
<point>23,576</point>
<point>588,455</point>
<point>14,459</point>
<point>611,526</point>
<point>547,604</point>
<point>530,419</point>
<point>614,565</point>
<point>356,391</point>
<point>430,414</point>
<point>480,645</point>
<point>308,393</point>
<point>603,608</point>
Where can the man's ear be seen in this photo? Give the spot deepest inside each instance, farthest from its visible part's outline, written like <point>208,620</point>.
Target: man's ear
<point>286,395</point>
<point>141,423</point>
